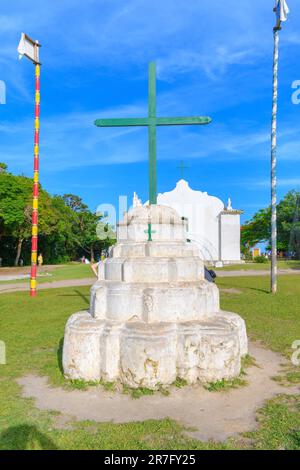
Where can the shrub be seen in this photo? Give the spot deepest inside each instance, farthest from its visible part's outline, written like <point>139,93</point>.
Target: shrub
<point>260,259</point>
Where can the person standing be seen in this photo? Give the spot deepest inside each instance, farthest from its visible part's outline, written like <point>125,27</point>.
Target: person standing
<point>95,266</point>
<point>40,260</point>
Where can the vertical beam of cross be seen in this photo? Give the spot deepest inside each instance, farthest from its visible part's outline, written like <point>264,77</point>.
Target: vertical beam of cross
<point>152,135</point>
<point>149,231</point>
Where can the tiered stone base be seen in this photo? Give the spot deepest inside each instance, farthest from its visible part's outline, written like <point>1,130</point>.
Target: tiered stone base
<point>153,317</point>
<point>149,355</point>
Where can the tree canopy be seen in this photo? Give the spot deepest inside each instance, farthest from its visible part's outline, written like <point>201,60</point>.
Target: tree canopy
<point>67,228</point>
<point>3,167</point>
<point>258,229</point>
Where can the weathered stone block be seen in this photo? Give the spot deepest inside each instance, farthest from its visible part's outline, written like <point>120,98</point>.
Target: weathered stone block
<point>110,348</point>
<point>81,352</point>
<point>148,355</point>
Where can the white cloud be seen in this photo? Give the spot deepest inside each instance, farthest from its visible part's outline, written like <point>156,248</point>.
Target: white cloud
<point>292,183</point>
<point>203,42</point>
<point>295,182</point>
<point>184,36</point>
<point>71,141</point>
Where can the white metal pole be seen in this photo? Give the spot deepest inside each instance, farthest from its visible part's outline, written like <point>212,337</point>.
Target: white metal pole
<point>273,164</point>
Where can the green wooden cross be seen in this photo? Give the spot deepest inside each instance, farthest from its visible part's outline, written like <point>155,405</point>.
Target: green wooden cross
<point>149,232</point>
<point>182,167</point>
<point>151,122</point>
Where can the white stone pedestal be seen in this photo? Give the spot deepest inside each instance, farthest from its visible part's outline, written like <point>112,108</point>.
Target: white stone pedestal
<point>153,317</point>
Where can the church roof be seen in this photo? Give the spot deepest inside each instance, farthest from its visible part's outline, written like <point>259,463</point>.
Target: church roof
<point>184,193</point>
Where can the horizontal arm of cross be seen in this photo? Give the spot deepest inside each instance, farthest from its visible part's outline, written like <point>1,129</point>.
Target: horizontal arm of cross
<point>183,121</point>
<point>122,122</point>
<point>159,121</point>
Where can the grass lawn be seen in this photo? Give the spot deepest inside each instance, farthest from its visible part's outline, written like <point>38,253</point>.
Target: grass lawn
<point>33,329</point>
<point>69,271</point>
<point>250,266</point>
<point>275,320</point>
<point>58,273</point>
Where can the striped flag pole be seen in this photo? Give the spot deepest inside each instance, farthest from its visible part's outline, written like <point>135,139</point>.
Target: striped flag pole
<point>30,49</point>
<point>35,202</point>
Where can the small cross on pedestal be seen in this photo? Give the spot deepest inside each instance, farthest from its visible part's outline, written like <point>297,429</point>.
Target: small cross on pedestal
<point>152,121</point>
<point>149,232</point>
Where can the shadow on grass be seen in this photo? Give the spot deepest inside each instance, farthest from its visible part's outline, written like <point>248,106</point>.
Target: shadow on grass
<point>60,355</point>
<point>77,293</point>
<point>224,285</point>
<point>265,291</point>
<point>25,437</point>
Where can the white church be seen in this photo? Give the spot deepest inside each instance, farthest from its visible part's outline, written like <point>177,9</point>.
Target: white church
<point>211,225</point>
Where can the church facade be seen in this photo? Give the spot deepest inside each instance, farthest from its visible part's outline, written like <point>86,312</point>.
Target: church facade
<point>211,225</point>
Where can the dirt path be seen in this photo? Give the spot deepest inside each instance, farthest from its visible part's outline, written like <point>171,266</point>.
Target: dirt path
<point>22,286</point>
<point>213,415</point>
<point>253,272</point>
<point>25,270</point>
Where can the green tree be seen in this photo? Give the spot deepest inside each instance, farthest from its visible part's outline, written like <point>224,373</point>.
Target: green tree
<point>85,228</point>
<point>60,245</point>
<point>289,224</point>
<point>16,210</point>
<point>258,229</point>
<point>3,167</point>
<point>75,203</point>
<point>67,228</point>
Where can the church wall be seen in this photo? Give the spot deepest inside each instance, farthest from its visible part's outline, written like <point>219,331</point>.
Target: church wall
<point>215,233</point>
<point>230,237</point>
<point>203,231</point>
<point>202,213</point>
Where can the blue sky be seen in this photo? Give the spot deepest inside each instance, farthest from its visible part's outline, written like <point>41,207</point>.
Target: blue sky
<point>214,57</point>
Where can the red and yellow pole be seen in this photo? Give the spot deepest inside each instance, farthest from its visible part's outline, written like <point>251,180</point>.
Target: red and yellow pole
<point>35,202</point>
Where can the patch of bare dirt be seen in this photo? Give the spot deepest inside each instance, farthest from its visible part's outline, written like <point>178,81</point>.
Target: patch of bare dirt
<point>26,270</point>
<point>214,415</point>
<point>232,290</point>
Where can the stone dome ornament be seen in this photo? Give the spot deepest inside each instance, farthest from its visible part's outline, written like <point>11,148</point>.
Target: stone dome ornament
<point>136,200</point>
<point>153,317</point>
